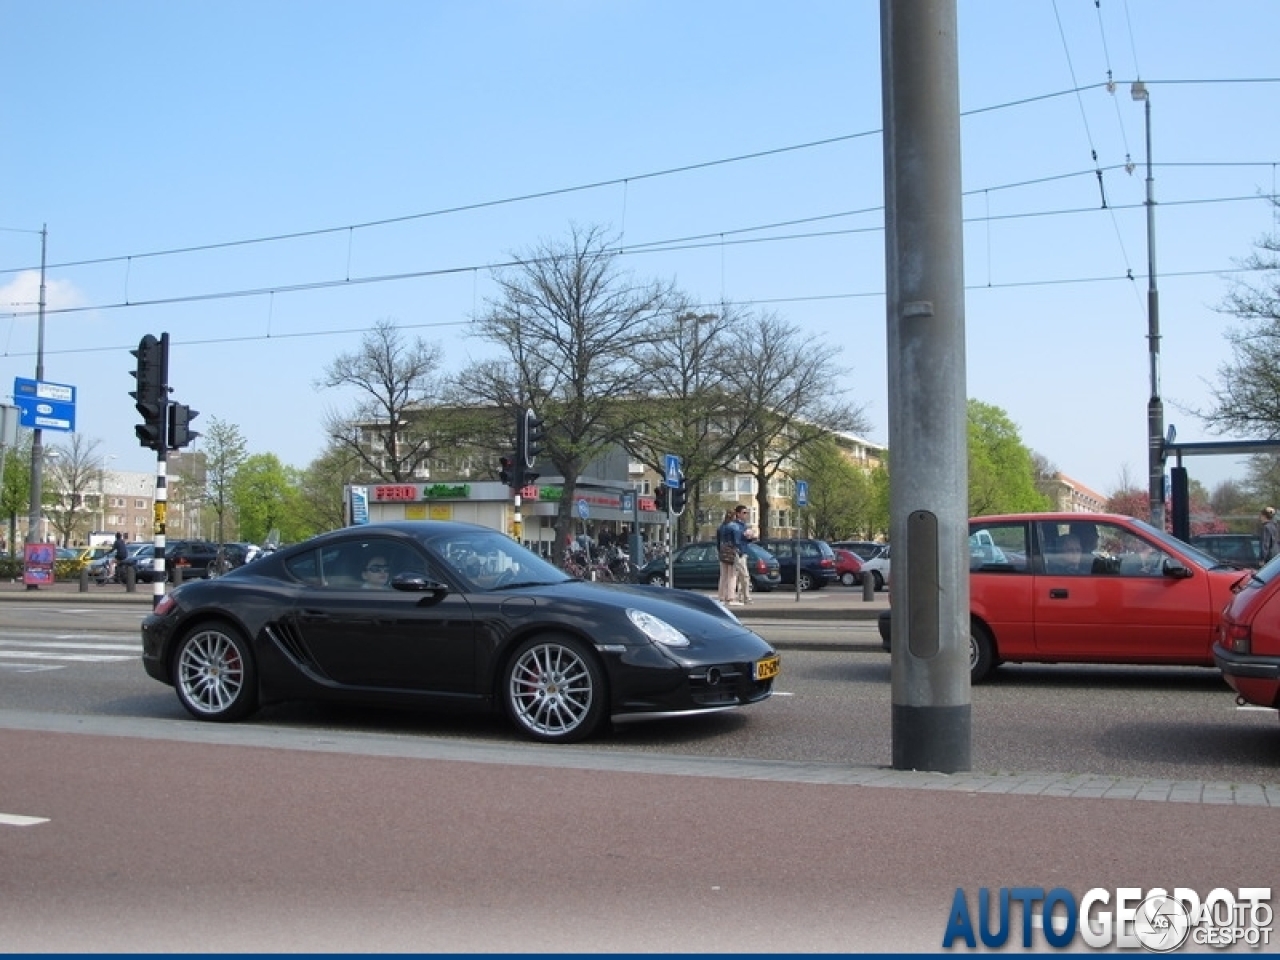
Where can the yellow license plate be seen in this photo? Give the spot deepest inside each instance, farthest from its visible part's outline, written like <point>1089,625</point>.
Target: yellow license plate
<point>768,668</point>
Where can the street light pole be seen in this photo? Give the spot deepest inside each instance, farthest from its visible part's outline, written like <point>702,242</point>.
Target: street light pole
<point>1155,407</point>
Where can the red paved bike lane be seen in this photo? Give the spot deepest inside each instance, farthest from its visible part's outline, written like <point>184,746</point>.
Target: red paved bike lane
<point>158,845</point>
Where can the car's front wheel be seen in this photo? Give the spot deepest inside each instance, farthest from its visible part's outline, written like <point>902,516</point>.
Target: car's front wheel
<point>848,579</point>
<point>879,579</point>
<point>214,673</point>
<point>554,689</point>
<point>657,579</point>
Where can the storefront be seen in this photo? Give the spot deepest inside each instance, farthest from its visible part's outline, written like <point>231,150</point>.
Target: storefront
<point>596,509</point>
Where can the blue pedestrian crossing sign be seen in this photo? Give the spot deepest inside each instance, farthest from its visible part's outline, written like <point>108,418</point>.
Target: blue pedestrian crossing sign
<point>802,493</point>
<point>673,472</point>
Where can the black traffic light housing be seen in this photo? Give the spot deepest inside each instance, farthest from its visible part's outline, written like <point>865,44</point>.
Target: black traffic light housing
<point>530,434</point>
<point>679,497</point>
<point>506,471</point>
<point>180,432</point>
<point>660,495</point>
<point>151,392</point>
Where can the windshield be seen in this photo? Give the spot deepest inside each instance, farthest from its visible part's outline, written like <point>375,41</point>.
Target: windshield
<point>488,560</point>
<point>1197,554</point>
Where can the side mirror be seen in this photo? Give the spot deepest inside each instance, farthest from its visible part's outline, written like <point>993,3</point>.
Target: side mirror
<point>1176,569</point>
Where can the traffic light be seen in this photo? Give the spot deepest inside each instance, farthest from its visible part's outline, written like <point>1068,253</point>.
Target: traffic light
<point>506,471</point>
<point>180,432</point>
<point>660,495</point>
<point>679,497</point>
<point>530,434</point>
<point>150,394</point>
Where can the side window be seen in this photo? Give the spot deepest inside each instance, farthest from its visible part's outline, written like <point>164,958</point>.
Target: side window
<point>306,567</point>
<point>699,554</point>
<point>998,548</point>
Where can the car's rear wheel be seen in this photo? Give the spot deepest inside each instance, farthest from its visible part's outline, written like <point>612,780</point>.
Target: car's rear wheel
<point>657,579</point>
<point>554,689</point>
<point>806,580</point>
<point>214,673</point>
<point>982,653</point>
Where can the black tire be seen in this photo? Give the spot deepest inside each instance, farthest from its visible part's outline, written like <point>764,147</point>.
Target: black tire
<point>982,653</point>
<point>848,579</point>
<point>554,689</point>
<point>806,581</point>
<point>879,579</point>
<point>214,673</point>
<point>657,579</point>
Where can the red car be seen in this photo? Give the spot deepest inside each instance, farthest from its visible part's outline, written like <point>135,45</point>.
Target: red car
<point>1089,588</point>
<point>1248,647</point>
<point>848,567</point>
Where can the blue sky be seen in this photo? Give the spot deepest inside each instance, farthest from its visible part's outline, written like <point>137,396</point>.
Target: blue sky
<point>733,147</point>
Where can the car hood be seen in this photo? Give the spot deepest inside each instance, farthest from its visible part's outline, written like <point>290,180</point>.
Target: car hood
<point>696,615</point>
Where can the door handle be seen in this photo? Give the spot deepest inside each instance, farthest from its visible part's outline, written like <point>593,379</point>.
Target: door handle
<point>1059,593</point>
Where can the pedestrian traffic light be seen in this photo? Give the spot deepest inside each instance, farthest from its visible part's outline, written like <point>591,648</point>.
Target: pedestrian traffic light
<point>150,393</point>
<point>180,432</point>
<point>660,495</point>
<point>506,471</point>
<point>679,497</point>
<point>531,435</point>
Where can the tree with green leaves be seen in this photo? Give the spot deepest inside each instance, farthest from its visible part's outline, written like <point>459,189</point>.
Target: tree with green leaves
<point>1002,471</point>
<point>322,486</point>
<point>15,490</point>
<point>840,492</point>
<point>396,381</point>
<point>224,452</point>
<point>265,494</point>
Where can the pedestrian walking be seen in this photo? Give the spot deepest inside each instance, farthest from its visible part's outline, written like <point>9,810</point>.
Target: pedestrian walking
<point>1268,533</point>
<point>729,544</point>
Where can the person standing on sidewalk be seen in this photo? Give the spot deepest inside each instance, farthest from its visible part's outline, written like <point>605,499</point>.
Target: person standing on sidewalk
<point>729,546</point>
<point>742,591</point>
<point>1268,533</point>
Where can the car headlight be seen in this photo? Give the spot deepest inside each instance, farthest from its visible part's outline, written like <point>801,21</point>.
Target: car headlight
<point>657,629</point>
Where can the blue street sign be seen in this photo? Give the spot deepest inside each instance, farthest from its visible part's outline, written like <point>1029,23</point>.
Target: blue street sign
<point>628,502</point>
<point>584,509</point>
<point>45,406</point>
<point>802,493</point>
<point>673,472</point>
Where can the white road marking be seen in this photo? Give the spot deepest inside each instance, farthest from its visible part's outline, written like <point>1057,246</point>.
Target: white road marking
<point>72,657</point>
<point>14,820</point>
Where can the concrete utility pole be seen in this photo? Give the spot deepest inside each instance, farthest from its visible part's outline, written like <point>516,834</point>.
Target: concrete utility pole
<point>1155,406</point>
<point>929,490</point>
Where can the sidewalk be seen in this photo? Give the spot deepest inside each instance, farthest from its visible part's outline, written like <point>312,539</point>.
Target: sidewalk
<point>830,603</point>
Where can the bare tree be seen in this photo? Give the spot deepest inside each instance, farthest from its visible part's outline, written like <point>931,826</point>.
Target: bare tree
<point>687,410</point>
<point>573,327</point>
<point>75,472</point>
<point>1246,399</point>
<point>396,381</point>
<point>785,383</point>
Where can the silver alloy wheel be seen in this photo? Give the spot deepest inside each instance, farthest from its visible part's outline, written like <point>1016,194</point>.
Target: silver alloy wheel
<point>211,673</point>
<point>806,581</point>
<point>552,691</point>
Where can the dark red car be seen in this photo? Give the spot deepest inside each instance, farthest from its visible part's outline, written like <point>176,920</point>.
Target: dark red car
<point>1248,647</point>
<point>848,567</point>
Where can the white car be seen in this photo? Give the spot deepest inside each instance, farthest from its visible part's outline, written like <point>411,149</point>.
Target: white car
<point>878,567</point>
